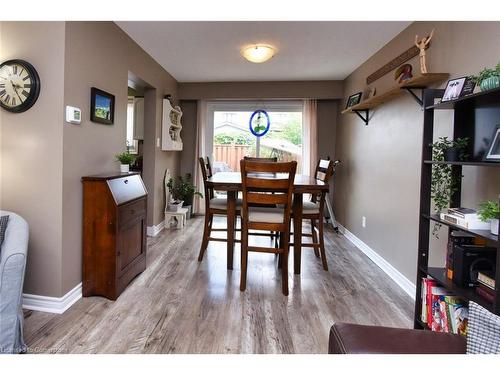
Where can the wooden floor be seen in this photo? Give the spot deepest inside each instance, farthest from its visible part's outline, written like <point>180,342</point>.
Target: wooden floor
<point>179,305</point>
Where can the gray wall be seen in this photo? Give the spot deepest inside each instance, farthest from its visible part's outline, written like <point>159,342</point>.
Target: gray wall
<point>380,173</point>
<point>43,158</point>
<point>31,146</point>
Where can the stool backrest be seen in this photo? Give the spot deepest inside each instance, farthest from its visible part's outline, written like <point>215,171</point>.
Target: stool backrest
<point>206,172</point>
<point>269,160</point>
<point>270,184</point>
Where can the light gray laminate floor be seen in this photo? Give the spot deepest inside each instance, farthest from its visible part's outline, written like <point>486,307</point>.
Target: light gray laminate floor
<point>179,305</point>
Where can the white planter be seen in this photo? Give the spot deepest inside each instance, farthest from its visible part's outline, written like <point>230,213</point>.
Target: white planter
<point>494,226</point>
<point>124,168</point>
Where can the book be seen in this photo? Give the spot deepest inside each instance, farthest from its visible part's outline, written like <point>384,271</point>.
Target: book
<point>462,212</point>
<point>485,292</point>
<point>430,283</point>
<point>486,278</point>
<point>471,221</point>
<point>452,303</point>
<point>436,317</point>
<point>445,323</point>
<point>456,237</point>
<point>424,289</point>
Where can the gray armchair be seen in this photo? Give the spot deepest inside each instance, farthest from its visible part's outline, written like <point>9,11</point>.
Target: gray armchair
<point>12,266</point>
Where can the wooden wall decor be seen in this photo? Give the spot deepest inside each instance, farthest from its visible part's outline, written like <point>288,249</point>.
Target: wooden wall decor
<point>394,63</point>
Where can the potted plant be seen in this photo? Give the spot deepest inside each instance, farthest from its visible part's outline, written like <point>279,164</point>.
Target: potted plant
<point>490,211</point>
<point>488,78</point>
<point>183,192</point>
<point>450,150</point>
<point>125,159</point>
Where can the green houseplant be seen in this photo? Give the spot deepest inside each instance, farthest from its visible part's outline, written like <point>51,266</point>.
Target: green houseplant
<point>183,190</point>
<point>488,78</point>
<point>443,182</point>
<point>125,159</point>
<point>490,211</point>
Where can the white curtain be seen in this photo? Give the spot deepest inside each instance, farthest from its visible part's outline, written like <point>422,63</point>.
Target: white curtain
<point>310,137</point>
<point>200,151</point>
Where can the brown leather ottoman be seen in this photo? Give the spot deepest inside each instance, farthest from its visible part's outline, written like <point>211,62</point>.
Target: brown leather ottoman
<point>358,339</point>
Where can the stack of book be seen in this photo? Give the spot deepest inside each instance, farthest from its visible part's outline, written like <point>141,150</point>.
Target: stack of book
<point>486,288</point>
<point>441,310</point>
<point>464,217</point>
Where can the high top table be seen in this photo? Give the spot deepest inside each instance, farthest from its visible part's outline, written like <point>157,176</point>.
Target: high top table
<point>231,183</point>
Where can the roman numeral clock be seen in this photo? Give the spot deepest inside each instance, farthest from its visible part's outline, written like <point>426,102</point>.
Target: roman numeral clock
<point>19,85</point>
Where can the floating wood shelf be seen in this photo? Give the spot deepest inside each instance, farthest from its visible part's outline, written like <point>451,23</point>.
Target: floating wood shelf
<point>419,82</point>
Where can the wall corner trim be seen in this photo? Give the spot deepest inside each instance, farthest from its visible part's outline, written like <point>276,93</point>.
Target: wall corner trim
<point>55,305</point>
<point>405,284</point>
<point>154,230</point>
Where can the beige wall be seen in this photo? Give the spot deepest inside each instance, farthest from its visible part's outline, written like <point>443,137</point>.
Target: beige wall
<point>31,151</point>
<point>260,90</point>
<point>380,173</point>
<point>100,54</point>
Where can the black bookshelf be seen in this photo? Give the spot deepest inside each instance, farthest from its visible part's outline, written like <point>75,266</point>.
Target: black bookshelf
<point>474,116</point>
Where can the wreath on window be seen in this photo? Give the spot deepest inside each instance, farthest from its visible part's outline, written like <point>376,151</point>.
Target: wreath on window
<point>259,123</point>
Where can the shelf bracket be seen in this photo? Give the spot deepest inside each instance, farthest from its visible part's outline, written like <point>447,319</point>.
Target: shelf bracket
<point>365,118</point>
<point>417,98</point>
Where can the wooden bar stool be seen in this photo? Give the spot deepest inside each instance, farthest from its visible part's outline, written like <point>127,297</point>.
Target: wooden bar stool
<point>214,205</point>
<point>314,209</point>
<point>266,184</point>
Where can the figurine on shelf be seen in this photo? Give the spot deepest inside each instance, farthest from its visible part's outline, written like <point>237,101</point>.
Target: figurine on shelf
<point>403,73</point>
<point>422,45</point>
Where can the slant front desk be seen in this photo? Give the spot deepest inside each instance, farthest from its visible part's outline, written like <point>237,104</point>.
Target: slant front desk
<point>114,232</point>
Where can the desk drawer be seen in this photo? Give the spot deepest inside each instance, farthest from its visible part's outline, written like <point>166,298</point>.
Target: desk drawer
<point>132,210</point>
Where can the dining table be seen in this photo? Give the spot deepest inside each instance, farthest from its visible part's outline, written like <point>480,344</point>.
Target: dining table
<point>230,182</point>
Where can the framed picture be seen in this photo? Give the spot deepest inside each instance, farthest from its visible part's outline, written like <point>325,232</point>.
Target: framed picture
<point>102,106</point>
<point>469,86</point>
<point>453,89</point>
<point>493,153</point>
<point>353,99</point>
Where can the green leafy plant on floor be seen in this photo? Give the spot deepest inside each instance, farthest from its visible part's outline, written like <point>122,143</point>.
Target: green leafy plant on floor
<point>183,189</point>
<point>489,210</point>
<point>125,158</point>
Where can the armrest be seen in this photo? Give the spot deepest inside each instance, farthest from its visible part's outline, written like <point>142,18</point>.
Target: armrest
<point>358,339</point>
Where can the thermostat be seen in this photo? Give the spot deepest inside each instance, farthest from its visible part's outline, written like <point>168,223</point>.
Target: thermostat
<point>73,115</point>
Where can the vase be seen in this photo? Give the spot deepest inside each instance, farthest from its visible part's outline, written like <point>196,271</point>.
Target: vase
<point>450,154</point>
<point>494,226</point>
<point>490,83</point>
<point>124,168</point>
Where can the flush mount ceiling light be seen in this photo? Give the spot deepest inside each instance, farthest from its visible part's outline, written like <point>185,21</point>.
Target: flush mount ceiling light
<point>258,53</point>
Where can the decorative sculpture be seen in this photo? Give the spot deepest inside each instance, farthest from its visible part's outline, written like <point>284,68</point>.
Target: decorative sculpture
<point>422,46</point>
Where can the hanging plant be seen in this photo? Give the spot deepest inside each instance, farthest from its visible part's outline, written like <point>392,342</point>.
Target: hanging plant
<point>443,182</point>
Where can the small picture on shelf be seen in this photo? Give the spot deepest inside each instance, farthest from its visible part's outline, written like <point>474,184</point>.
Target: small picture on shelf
<point>453,89</point>
<point>493,153</point>
<point>353,100</point>
<point>469,86</point>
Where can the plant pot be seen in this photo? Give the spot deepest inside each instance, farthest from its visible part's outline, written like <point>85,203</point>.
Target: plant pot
<point>188,213</point>
<point>490,83</point>
<point>494,226</point>
<point>124,168</point>
<point>174,207</point>
<point>450,154</point>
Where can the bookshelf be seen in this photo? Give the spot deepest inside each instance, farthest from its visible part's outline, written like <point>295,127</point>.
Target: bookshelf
<point>474,116</point>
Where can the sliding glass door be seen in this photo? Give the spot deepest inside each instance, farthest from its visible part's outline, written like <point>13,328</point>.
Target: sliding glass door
<point>230,138</point>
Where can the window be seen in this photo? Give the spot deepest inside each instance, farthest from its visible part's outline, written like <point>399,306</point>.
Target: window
<point>230,139</point>
<point>132,144</point>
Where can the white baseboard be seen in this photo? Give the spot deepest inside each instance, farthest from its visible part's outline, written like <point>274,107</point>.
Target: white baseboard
<point>154,230</point>
<point>52,304</point>
<point>405,284</point>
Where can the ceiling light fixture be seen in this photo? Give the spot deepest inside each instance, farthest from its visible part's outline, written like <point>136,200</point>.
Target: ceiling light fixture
<point>258,53</point>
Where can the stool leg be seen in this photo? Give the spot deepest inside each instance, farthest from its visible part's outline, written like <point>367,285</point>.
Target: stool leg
<point>206,234</point>
<point>284,264</point>
<point>322,244</point>
<point>314,238</point>
<point>244,257</point>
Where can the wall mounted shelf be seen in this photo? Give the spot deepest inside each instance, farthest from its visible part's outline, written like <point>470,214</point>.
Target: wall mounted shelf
<point>416,83</point>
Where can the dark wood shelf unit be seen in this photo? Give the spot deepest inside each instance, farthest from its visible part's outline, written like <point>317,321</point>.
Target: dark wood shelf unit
<point>475,116</point>
<point>465,163</point>
<point>486,234</point>
<point>472,99</point>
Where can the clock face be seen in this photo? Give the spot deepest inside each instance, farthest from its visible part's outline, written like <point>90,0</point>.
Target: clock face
<point>19,85</point>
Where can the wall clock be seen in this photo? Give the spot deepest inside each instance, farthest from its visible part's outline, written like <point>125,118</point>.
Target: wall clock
<point>19,85</point>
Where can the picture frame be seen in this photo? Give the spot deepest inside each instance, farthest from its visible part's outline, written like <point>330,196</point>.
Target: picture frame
<point>453,89</point>
<point>353,99</point>
<point>102,106</point>
<point>493,153</point>
<point>469,86</point>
